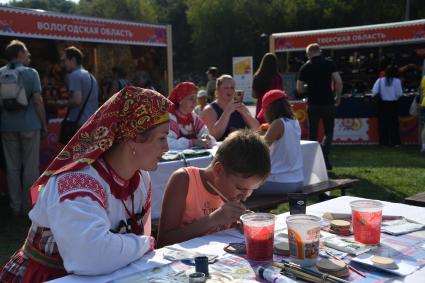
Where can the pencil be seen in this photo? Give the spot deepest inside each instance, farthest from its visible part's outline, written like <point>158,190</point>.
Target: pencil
<point>218,192</point>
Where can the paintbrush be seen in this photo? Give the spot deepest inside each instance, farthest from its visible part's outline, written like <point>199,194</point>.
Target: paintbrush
<point>307,274</point>
<point>226,200</point>
<point>218,192</point>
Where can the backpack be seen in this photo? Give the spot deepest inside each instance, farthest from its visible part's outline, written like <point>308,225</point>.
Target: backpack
<point>12,91</point>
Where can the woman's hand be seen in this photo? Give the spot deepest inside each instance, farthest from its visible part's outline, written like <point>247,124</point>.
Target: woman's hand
<point>201,143</point>
<point>152,243</point>
<point>209,139</point>
<point>231,107</point>
<point>241,108</point>
<point>206,141</point>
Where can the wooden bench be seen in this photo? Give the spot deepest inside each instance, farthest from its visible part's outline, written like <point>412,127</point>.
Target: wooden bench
<point>418,199</point>
<point>265,203</point>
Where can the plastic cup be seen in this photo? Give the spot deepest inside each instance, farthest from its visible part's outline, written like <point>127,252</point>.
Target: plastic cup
<point>259,235</point>
<point>366,221</point>
<point>303,238</point>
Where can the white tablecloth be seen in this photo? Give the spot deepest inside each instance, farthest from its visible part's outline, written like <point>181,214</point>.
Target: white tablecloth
<point>314,171</point>
<point>214,244</point>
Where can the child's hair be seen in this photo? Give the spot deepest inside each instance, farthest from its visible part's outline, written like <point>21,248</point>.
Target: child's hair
<point>279,109</point>
<point>244,153</point>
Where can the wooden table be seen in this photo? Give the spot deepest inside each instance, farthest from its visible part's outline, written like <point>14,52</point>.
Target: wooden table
<point>418,199</point>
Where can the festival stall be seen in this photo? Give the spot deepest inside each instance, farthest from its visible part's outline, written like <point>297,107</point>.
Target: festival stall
<point>361,54</point>
<point>105,43</point>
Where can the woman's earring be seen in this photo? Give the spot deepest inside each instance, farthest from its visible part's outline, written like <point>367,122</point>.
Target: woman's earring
<point>134,152</point>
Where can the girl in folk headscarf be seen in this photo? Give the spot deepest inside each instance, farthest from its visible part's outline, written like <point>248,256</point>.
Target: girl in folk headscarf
<point>92,204</point>
<point>186,128</point>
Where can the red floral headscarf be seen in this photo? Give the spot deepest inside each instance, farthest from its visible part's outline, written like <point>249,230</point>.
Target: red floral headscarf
<point>177,94</point>
<point>181,91</point>
<point>129,112</point>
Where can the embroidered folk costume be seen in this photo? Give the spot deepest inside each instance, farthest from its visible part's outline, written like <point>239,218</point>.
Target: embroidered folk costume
<point>87,220</point>
<point>185,129</point>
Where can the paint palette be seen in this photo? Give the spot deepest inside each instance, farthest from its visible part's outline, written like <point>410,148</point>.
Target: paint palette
<point>404,267</point>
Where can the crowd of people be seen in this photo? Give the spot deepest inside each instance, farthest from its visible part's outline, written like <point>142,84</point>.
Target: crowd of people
<point>96,194</point>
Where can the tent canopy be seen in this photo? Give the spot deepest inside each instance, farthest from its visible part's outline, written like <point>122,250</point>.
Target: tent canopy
<point>19,22</point>
<point>371,35</point>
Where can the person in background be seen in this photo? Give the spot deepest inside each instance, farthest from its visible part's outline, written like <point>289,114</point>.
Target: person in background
<point>82,86</point>
<point>186,128</point>
<point>422,124</point>
<point>320,80</point>
<point>21,130</point>
<point>143,79</point>
<point>283,136</point>
<point>389,89</point>
<point>224,115</point>
<point>202,102</point>
<point>119,81</point>
<point>212,74</point>
<point>93,203</point>
<point>198,201</point>
<point>267,77</point>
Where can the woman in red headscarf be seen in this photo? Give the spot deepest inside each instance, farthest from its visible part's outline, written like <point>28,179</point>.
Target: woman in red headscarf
<point>186,128</point>
<point>92,204</point>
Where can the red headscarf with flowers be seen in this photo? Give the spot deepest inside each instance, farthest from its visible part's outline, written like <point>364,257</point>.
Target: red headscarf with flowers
<point>177,94</point>
<point>126,114</point>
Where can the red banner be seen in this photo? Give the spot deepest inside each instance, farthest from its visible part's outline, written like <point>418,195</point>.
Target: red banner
<point>38,24</point>
<point>413,31</point>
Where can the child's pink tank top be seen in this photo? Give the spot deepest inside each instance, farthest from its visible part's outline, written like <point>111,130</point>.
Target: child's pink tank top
<point>199,202</point>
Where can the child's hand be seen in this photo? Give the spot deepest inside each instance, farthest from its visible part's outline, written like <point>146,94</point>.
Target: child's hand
<point>228,213</point>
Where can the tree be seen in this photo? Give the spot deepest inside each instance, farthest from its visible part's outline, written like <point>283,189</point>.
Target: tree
<point>173,12</point>
<point>222,29</point>
<point>131,10</point>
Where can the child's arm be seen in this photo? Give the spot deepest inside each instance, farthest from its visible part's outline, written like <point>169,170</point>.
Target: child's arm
<point>274,132</point>
<point>174,205</point>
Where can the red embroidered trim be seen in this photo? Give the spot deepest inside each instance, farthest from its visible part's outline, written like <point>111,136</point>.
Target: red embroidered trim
<point>183,119</point>
<point>73,184</point>
<point>118,191</point>
<point>72,196</point>
<point>117,178</point>
<point>147,205</point>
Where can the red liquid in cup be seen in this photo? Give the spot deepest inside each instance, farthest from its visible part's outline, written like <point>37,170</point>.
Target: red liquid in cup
<point>367,227</point>
<point>259,242</point>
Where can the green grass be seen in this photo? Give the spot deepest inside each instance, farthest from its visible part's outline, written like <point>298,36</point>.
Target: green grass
<point>384,173</point>
<point>13,231</point>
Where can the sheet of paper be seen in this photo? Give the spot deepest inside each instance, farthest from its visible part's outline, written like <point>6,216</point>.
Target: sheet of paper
<point>401,226</point>
<point>404,267</point>
<point>174,254</point>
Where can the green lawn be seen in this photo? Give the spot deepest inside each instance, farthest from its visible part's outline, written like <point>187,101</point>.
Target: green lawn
<point>13,231</point>
<point>384,173</point>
